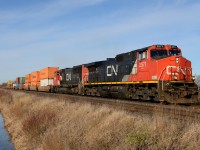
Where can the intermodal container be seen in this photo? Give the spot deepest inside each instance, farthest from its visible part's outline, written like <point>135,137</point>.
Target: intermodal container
<point>35,78</point>
<point>34,83</point>
<point>28,78</point>
<point>48,73</point>
<point>16,86</point>
<point>10,82</point>
<point>21,86</point>
<point>46,82</point>
<point>17,80</point>
<point>22,80</point>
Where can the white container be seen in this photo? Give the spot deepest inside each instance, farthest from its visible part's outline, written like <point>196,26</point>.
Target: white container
<point>46,82</point>
<point>14,85</point>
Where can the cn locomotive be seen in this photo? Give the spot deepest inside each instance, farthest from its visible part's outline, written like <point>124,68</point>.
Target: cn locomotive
<point>156,73</point>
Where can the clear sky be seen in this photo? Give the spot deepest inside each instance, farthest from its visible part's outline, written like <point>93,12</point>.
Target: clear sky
<point>35,34</point>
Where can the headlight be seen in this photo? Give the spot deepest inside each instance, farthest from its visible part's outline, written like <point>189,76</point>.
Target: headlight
<point>175,77</point>
<point>193,77</point>
<point>177,60</point>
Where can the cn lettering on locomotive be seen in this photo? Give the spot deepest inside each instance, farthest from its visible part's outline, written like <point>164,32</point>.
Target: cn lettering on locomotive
<point>112,70</point>
<point>68,77</point>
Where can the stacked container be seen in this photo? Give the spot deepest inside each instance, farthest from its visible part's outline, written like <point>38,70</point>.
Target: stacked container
<point>22,80</point>
<point>21,83</point>
<point>17,83</point>
<point>47,75</point>
<point>47,78</point>
<point>27,81</point>
<point>35,80</point>
<point>14,85</point>
<point>9,84</point>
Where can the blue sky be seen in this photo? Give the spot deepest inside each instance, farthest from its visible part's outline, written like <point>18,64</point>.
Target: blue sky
<point>41,33</point>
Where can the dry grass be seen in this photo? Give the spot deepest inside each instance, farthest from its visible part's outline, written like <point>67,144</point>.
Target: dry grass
<point>52,124</point>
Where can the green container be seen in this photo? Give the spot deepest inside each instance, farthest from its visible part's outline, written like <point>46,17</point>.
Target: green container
<point>22,80</point>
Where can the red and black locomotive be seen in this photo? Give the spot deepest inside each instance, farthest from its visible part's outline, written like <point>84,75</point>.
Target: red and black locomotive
<point>157,72</point>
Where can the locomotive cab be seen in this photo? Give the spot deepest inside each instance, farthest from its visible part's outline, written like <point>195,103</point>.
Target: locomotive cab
<point>174,74</point>
<point>160,51</point>
<point>171,66</point>
<point>164,74</point>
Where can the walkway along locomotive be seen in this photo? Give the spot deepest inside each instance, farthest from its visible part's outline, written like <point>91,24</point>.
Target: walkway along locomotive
<point>157,72</point>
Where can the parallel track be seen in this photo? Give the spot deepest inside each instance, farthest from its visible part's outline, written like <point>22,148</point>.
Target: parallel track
<point>180,113</point>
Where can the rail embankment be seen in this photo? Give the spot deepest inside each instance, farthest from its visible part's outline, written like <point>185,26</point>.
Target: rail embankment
<point>48,123</point>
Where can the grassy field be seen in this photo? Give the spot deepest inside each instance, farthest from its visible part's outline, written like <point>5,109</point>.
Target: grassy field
<point>50,124</point>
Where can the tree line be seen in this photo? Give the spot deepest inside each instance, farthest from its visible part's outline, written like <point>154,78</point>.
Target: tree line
<point>197,80</point>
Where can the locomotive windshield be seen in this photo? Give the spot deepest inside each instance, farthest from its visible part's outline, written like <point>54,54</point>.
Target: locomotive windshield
<point>175,53</point>
<point>158,54</point>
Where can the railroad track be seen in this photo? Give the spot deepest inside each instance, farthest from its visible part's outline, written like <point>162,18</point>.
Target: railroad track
<point>179,113</point>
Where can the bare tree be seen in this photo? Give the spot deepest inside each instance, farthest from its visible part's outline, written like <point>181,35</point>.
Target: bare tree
<point>197,80</point>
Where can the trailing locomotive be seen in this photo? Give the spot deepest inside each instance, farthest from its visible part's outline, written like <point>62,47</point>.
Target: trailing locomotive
<point>157,72</point>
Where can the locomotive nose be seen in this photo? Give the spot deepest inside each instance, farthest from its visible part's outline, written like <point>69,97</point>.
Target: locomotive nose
<point>179,68</point>
<point>185,70</point>
<point>177,60</point>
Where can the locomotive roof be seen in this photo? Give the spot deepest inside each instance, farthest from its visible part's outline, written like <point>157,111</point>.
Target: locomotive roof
<point>97,63</point>
<point>65,69</point>
<point>76,67</point>
<point>142,49</point>
<point>137,50</point>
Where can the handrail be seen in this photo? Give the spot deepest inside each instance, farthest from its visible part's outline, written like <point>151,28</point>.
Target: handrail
<point>159,80</point>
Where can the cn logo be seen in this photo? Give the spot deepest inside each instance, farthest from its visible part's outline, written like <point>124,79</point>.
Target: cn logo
<point>112,70</point>
<point>68,77</point>
<point>172,70</point>
<point>176,70</point>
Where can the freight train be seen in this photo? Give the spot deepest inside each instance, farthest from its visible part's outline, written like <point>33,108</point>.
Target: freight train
<point>156,73</point>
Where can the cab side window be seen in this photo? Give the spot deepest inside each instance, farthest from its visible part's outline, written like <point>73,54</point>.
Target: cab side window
<point>142,55</point>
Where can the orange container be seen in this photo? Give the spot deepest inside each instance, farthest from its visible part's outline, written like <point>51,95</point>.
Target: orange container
<point>17,80</point>
<point>27,78</point>
<point>27,84</point>
<point>35,76</point>
<point>48,73</point>
<point>35,83</point>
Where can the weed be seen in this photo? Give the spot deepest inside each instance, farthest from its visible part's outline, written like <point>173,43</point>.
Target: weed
<point>45,123</point>
<point>137,139</point>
